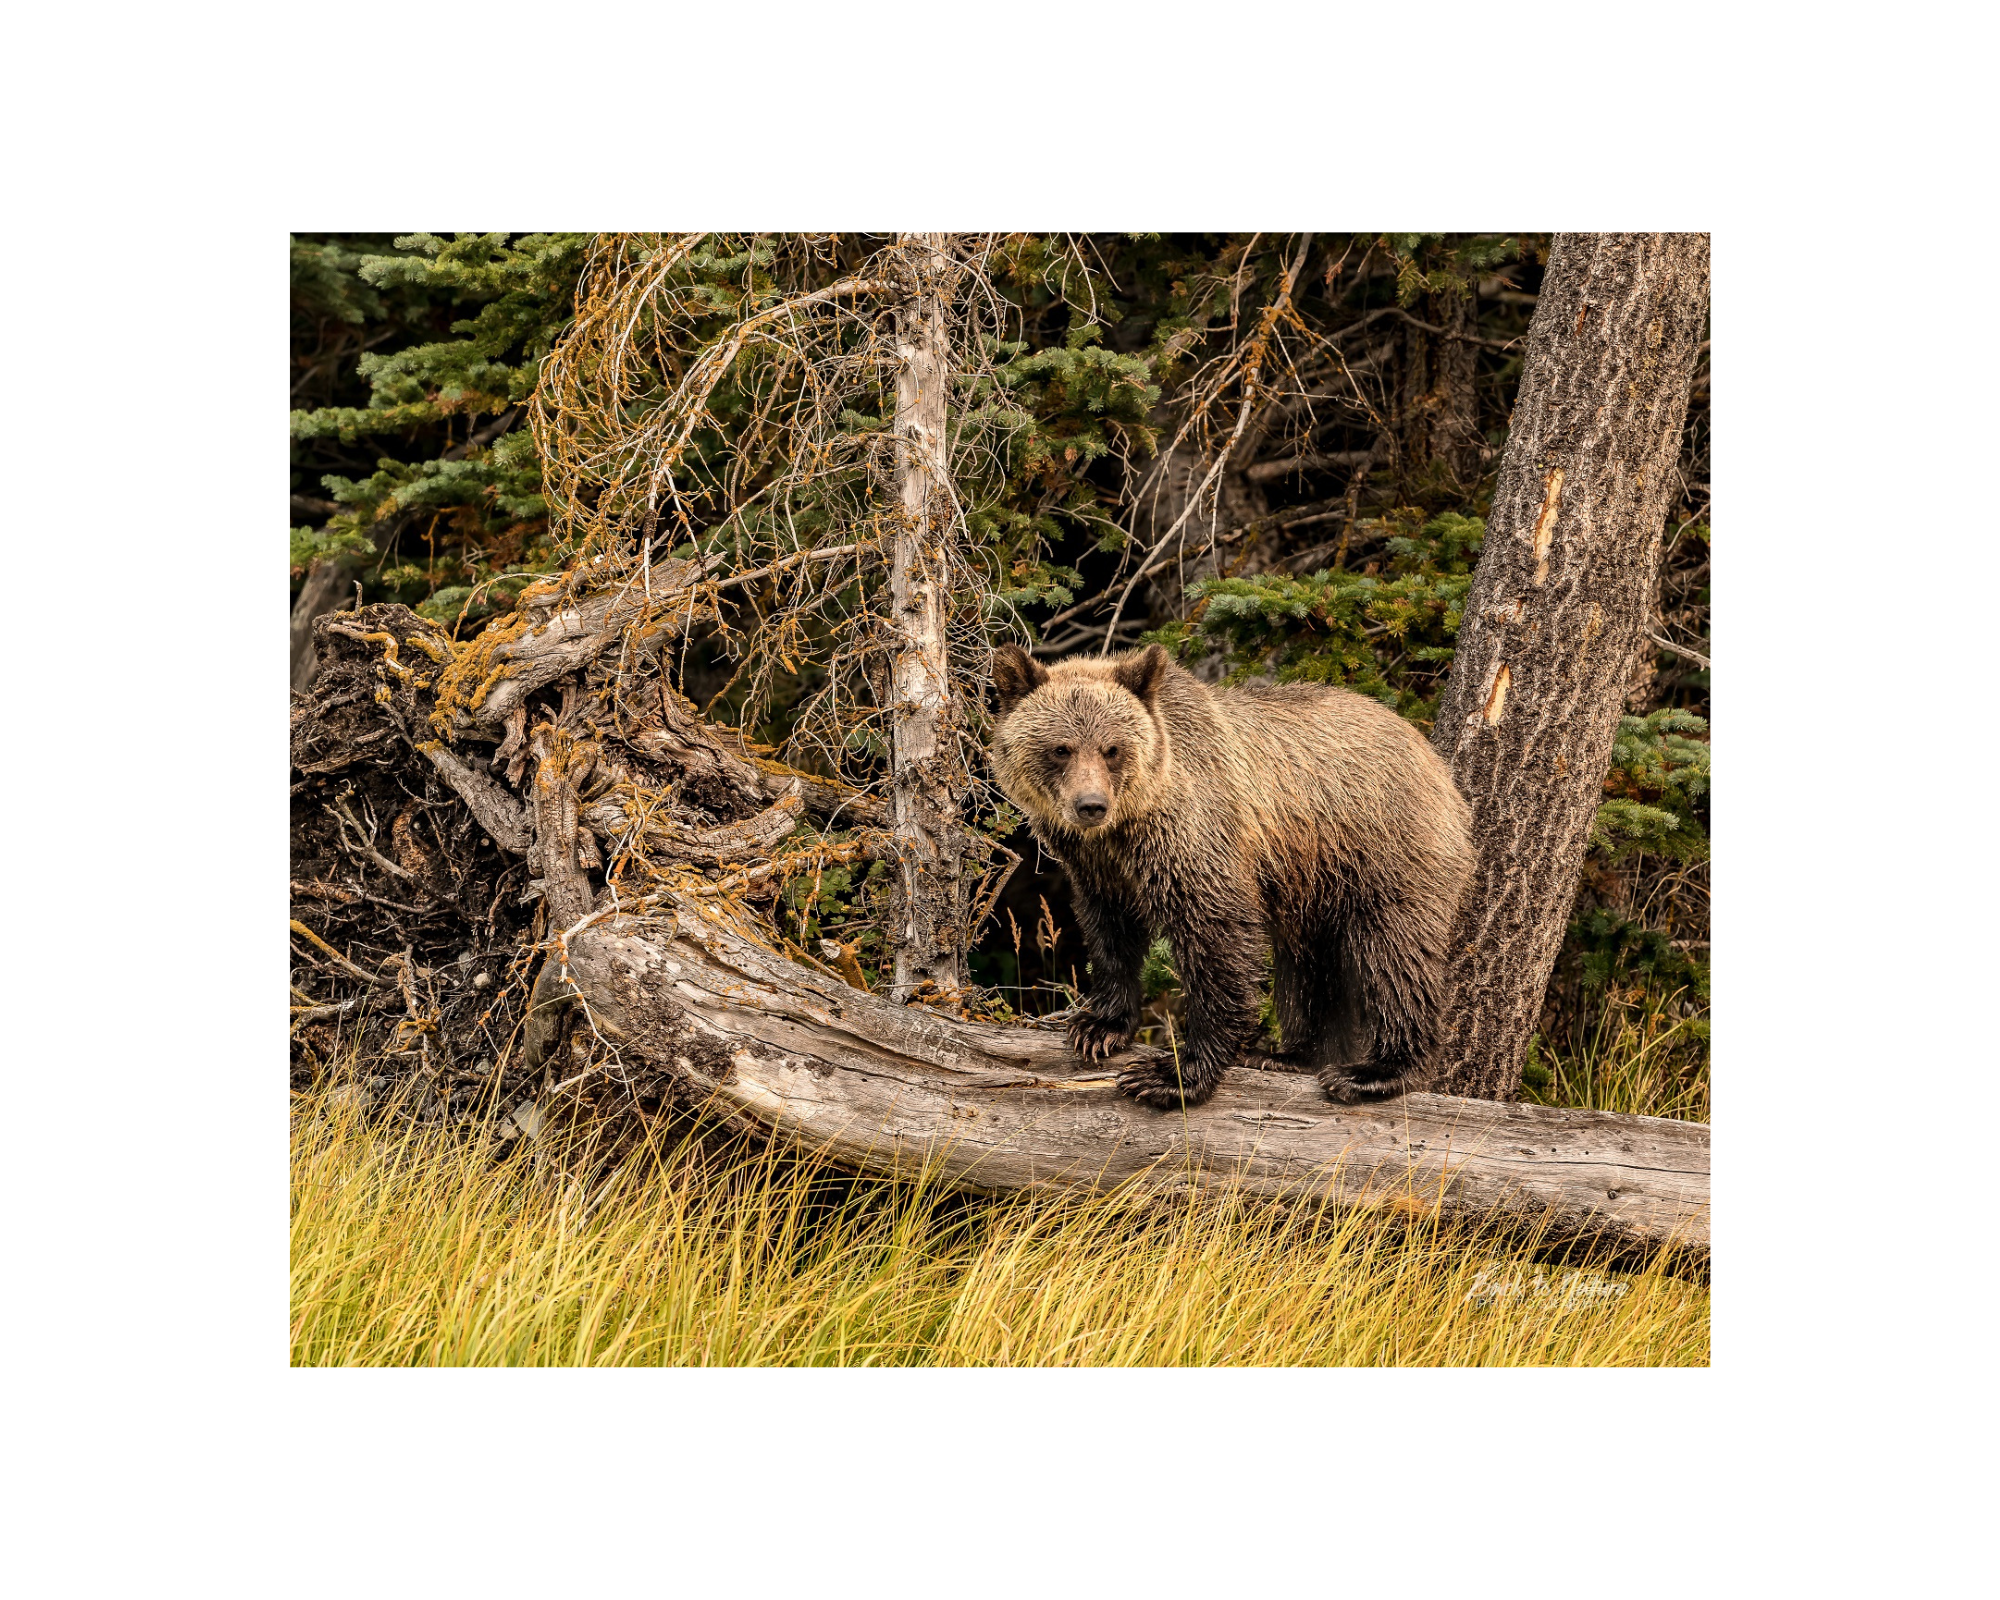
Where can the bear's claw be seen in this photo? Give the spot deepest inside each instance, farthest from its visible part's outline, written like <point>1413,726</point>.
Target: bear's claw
<point>1343,1088</point>
<point>1157,1085</point>
<point>1097,1040</point>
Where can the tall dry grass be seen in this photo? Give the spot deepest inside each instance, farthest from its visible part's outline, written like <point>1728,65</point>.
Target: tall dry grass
<point>1632,1057</point>
<point>411,1247</point>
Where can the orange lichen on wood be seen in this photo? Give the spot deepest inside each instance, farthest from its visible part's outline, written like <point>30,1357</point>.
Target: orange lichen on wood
<point>385,639</point>
<point>471,665</point>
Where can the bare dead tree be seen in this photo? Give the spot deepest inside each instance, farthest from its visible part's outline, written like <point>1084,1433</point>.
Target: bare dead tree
<point>928,928</point>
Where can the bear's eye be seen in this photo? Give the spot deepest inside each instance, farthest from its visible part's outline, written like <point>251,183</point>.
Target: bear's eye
<point>1111,752</point>
<point>1063,752</point>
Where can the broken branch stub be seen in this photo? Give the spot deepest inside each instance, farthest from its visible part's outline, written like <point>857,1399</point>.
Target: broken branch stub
<point>553,638</point>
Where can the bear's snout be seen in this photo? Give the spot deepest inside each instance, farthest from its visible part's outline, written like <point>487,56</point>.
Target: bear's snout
<point>1091,808</point>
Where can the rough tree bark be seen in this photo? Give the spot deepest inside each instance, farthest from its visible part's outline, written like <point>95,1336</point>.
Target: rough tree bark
<point>1556,614</point>
<point>329,582</point>
<point>1436,421</point>
<point>927,932</point>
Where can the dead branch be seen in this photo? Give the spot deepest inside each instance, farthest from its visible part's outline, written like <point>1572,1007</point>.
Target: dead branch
<point>1680,650</point>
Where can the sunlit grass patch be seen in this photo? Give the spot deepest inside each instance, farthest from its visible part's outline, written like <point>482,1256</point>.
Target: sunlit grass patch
<point>410,1246</point>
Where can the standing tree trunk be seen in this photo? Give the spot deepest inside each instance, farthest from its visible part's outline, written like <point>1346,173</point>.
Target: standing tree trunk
<point>326,587</point>
<point>926,933</point>
<point>1436,403</point>
<point>1554,617</point>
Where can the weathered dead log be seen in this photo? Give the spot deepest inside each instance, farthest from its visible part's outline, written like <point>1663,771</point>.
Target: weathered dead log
<point>556,638</point>
<point>722,766</point>
<point>554,851</point>
<point>718,766</point>
<point>503,817</point>
<point>752,839</point>
<point>876,1086</point>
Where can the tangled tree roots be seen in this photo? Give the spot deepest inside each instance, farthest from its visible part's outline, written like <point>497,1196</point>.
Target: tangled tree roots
<point>528,881</point>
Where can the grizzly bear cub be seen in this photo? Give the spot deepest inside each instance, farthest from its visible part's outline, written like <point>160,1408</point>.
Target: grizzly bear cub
<point>1300,815</point>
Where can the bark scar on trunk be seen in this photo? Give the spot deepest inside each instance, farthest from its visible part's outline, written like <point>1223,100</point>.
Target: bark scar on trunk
<point>1496,702</point>
<point>1545,525</point>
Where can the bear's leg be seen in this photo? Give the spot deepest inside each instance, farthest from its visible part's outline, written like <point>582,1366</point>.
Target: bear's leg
<point>1218,957</point>
<point>1386,1011</point>
<point>1305,974</point>
<point>1118,940</point>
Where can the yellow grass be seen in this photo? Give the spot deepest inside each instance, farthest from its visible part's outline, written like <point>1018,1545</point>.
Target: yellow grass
<point>411,1248</point>
<point>1633,1059</point>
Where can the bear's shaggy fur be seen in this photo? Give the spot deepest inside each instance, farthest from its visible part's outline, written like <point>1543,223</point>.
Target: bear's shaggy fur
<point>1303,816</point>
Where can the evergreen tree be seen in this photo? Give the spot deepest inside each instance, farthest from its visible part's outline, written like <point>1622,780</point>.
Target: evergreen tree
<point>412,359</point>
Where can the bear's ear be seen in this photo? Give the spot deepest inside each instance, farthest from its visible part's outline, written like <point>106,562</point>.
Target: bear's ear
<point>1142,673</point>
<point>1016,675</point>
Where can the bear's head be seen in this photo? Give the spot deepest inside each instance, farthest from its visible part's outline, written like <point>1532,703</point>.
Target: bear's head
<point>1080,745</point>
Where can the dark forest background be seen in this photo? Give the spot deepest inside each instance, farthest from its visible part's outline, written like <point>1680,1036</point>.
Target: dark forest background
<point>1346,523</point>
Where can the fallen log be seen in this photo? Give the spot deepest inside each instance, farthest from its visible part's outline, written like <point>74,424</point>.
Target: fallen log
<point>877,1087</point>
<point>428,874</point>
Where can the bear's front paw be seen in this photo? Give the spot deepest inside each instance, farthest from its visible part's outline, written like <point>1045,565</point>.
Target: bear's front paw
<point>1343,1088</point>
<point>1159,1084</point>
<point>1095,1039</point>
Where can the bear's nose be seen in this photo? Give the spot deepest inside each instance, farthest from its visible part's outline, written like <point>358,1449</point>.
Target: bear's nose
<point>1090,808</point>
